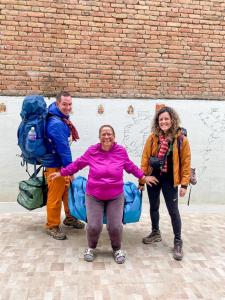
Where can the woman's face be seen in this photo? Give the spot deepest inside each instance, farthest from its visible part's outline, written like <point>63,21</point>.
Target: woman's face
<point>107,138</point>
<point>165,122</point>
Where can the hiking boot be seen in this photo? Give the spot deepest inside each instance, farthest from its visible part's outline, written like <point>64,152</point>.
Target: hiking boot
<point>73,222</point>
<point>119,256</point>
<point>89,255</point>
<point>153,237</point>
<point>56,233</point>
<point>177,250</point>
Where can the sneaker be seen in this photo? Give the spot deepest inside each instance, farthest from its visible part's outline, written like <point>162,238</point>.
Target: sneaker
<point>89,255</point>
<point>56,233</point>
<point>119,256</point>
<point>177,250</point>
<point>73,222</point>
<point>153,237</point>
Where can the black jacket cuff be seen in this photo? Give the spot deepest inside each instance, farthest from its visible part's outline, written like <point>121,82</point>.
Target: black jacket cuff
<point>184,186</point>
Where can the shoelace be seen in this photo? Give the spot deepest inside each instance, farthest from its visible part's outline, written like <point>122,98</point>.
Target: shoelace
<point>59,229</point>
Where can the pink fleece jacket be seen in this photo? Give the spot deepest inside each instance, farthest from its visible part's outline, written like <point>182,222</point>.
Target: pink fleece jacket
<point>105,178</point>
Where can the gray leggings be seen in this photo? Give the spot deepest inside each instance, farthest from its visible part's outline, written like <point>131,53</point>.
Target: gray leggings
<point>114,214</point>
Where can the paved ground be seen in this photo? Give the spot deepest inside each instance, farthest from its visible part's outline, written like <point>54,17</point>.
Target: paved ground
<point>34,266</point>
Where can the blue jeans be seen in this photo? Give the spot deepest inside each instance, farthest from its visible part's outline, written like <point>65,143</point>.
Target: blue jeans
<point>170,194</point>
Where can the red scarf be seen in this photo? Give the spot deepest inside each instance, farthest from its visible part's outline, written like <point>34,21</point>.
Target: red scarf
<point>164,147</point>
<point>74,133</point>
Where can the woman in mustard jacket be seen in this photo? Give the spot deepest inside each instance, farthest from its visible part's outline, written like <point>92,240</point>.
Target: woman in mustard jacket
<point>162,159</point>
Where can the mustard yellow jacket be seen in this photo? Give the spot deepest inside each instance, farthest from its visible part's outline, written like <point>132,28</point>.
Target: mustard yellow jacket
<point>181,173</point>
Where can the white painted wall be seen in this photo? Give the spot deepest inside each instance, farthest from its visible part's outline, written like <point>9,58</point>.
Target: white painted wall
<point>204,120</point>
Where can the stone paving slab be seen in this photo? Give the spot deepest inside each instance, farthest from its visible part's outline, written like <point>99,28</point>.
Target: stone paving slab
<point>33,266</point>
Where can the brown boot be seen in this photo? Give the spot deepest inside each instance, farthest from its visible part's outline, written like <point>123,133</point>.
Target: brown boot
<point>73,222</point>
<point>177,250</point>
<point>153,237</point>
<point>56,233</point>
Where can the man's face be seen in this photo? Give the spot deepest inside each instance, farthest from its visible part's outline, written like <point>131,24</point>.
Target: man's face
<point>65,105</point>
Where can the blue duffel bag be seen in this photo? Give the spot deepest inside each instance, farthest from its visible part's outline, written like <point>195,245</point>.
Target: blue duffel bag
<point>132,203</point>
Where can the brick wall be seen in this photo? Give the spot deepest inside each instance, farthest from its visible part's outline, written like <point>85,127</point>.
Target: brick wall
<point>113,48</point>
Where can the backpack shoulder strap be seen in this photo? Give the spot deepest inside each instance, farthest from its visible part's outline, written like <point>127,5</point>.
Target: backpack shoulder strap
<point>179,145</point>
<point>50,116</point>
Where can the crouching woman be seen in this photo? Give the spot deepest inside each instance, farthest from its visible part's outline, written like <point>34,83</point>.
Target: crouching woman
<point>104,192</point>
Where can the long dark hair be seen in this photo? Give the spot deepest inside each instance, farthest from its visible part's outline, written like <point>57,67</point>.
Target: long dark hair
<point>174,118</point>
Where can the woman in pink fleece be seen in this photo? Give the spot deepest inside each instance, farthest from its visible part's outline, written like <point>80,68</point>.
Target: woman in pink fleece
<point>104,192</point>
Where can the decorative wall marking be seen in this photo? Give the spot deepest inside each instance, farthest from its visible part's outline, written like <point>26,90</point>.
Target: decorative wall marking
<point>100,109</point>
<point>136,133</point>
<point>2,107</point>
<point>130,110</point>
<point>215,122</point>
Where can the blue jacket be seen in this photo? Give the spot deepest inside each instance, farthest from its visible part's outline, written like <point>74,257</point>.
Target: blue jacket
<point>58,134</point>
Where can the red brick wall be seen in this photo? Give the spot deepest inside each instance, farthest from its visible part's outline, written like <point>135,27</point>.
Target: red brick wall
<point>113,48</point>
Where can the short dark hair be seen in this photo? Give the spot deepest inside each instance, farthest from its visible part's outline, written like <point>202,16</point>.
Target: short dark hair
<point>100,129</point>
<point>65,94</point>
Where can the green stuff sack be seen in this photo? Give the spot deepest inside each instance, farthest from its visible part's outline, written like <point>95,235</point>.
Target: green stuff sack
<point>33,193</point>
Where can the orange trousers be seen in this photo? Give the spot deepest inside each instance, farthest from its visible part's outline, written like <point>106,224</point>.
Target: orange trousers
<point>57,193</point>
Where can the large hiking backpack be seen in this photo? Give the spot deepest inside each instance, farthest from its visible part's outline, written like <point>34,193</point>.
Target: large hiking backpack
<point>193,178</point>
<point>34,114</point>
<point>132,201</point>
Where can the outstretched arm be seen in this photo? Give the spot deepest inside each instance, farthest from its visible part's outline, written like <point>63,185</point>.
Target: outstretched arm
<point>130,167</point>
<point>72,168</point>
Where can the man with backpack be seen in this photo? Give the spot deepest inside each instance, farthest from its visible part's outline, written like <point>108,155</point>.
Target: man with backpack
<point>59,132</point>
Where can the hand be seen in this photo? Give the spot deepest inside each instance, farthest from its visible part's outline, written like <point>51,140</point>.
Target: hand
<point>150,180</point>
<point>141,187</point>
<point>53,176</point>
<point>182,192</point>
